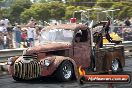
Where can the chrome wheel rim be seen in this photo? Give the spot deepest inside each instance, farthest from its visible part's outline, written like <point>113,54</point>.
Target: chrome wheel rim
<point>67,72</point>
<point>115,65</point>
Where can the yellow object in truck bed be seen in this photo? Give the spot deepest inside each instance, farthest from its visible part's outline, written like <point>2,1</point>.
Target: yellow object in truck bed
<point>114,36</point>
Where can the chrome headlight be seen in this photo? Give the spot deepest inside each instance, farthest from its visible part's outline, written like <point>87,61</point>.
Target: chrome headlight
<point>47,62</point>
<point>10,61</point>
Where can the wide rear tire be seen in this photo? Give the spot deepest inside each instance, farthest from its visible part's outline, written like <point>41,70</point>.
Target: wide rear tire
<point>116,66</point>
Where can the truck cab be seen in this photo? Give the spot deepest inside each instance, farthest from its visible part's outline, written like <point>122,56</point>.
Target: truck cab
<point>63,48</point>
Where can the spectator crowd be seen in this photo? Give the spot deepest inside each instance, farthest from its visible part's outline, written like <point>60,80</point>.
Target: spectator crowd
<point>18,36</point>
<point>124,29</point>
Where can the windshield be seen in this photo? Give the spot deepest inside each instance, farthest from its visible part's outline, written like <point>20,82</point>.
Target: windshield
<point>56,35</point>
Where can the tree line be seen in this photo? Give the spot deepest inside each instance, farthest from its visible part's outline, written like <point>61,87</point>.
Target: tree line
<point>21,11</point>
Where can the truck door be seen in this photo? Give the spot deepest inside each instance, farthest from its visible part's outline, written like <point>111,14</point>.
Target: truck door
<point>82,48</point>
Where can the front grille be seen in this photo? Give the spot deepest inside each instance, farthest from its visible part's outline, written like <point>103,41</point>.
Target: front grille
<point>27,70</point>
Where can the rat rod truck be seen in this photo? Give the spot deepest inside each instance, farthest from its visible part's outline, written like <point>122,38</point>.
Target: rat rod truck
<point>63,48</point>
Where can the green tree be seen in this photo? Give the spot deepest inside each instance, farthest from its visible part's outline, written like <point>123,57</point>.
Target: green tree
<point>97,13</point>
<point>74,11</point>
<point>104,3</point>
<point>69,11</point>
<point>81,0</point>
<point>125,9</point>
<point>38,11</point>
<point>1,1</point>
<point>8,3</point>
<point>4,13</point>
<point>17,7</point>
<point>44,11</point>
<point>57,10</point>
<point>43,1</point>
<point>89,3</point>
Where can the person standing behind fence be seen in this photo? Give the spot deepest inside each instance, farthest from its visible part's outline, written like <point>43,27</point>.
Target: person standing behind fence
<point>127,22</point>
<point>7,39</point>
<point>31,32</point>
<point>5,22</point>
<point>1,41</point>
<point>3,31</point>
<point>17,36</point>
<point>24,37</point>
<point>31,36</point>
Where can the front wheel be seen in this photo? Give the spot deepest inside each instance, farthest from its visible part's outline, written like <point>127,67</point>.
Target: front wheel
<point>16,78</point>
<point>65,71</point>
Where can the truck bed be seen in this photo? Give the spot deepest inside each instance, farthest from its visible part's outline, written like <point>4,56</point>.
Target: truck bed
<point>104,56</point>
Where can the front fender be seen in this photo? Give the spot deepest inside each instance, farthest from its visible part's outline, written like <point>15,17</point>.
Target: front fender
<point>56,61</point>
<point>11,67</point>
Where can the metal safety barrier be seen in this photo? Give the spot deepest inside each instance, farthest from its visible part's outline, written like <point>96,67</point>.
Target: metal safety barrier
<point>6,53</point>
<point>128,50</point>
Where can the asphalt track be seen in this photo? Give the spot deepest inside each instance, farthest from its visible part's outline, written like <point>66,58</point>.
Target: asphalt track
<point>6,81</point>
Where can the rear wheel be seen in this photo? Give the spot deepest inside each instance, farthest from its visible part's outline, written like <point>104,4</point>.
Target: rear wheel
<point>116,67</point>
<point>65,71</point>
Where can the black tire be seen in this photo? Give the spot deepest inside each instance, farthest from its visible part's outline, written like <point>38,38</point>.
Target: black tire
<point>65,71</point>
<point>16,78</point>
<point>116,66</point>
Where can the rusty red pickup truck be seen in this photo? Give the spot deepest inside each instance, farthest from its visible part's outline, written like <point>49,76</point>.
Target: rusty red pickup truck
<point>63,48</point>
